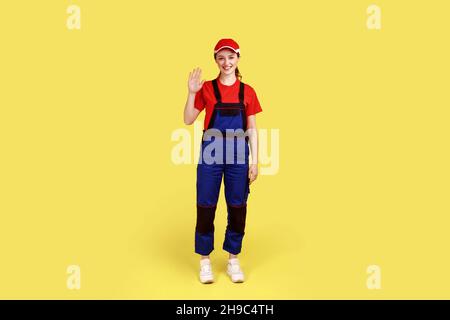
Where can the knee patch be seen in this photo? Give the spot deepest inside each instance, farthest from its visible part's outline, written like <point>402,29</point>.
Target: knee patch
<point>237,217</point>
<point>205,219</point>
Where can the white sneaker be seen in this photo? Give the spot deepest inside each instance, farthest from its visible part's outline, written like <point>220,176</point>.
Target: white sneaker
<point>206,274</point>
<point>234,270</point>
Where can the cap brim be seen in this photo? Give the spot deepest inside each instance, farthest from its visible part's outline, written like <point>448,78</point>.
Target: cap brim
<point>228,47</point>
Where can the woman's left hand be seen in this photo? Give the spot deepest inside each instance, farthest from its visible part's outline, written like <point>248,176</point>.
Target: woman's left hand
<point>253,172</point>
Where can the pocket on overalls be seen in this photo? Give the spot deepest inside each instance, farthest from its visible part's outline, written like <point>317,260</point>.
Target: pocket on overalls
<point>228,112</point>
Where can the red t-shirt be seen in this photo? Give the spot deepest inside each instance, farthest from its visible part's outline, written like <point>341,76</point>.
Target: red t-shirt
<point>205,98</point>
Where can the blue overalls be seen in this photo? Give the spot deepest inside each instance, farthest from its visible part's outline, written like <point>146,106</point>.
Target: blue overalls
<point>229,161</point>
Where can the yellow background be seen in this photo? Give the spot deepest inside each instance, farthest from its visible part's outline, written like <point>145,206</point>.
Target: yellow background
<point>86,176</point>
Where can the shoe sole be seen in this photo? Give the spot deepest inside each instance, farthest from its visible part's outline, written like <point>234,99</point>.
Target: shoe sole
<point>235,281</point>
<point>207,281</point>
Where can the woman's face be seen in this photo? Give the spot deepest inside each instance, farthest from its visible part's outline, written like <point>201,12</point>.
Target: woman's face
<point>227,61</point>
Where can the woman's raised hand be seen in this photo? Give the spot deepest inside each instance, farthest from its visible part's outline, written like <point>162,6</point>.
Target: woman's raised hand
<point>194,83</point>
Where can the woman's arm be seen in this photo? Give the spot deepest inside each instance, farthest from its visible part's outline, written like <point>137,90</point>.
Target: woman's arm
<point>194,85</point>
<point>253,140</point>
<point>190,113</point>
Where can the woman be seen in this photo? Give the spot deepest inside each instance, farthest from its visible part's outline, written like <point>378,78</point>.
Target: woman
<point>231,107</point>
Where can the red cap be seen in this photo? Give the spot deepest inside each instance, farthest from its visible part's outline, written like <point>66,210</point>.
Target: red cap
<point>226,44</point>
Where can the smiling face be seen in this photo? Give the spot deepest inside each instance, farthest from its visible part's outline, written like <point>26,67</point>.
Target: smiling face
<point>227,61</point>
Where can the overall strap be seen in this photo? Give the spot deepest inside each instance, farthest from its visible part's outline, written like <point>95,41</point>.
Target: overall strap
<point>241,100</point>
<point>241,93</point>
<point>216,91</point>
